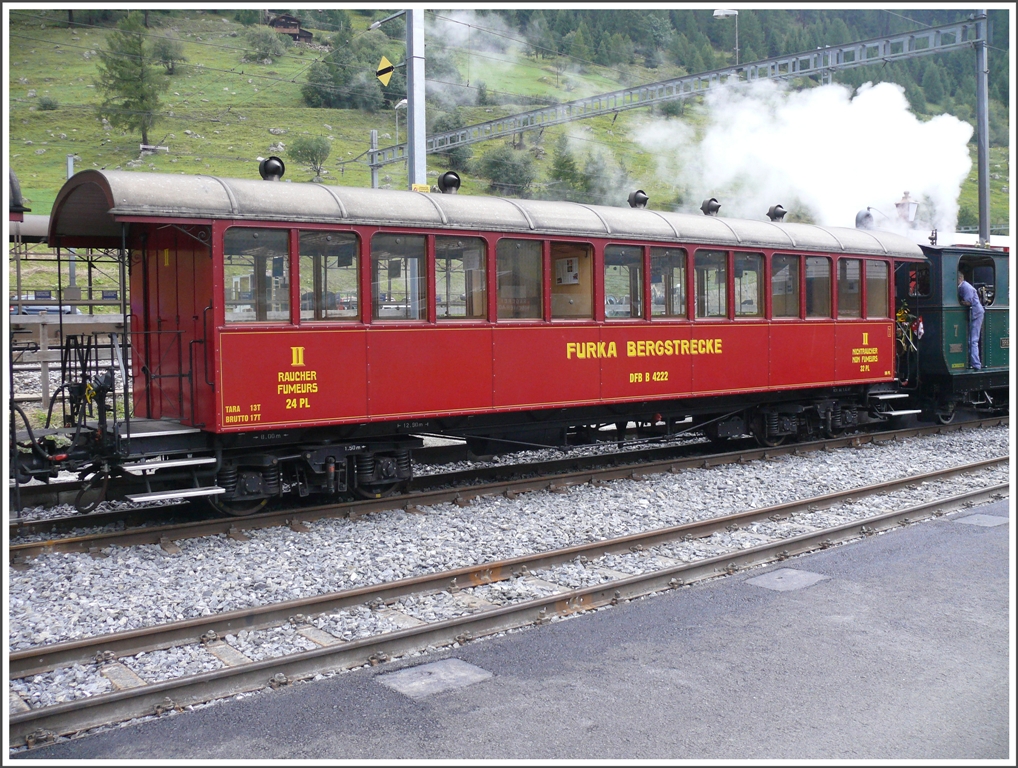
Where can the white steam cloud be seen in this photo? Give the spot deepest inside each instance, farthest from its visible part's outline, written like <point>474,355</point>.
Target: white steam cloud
<point>821,151</point>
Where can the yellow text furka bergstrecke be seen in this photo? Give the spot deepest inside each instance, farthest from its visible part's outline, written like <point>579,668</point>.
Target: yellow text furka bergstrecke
<point>591,350</point>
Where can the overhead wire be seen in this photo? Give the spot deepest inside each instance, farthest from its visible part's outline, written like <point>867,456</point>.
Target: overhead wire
<point>514,39</point>
<point>149,35</point>
<point>272,81</point>
<point>292,79</point>
<point>204,68</point>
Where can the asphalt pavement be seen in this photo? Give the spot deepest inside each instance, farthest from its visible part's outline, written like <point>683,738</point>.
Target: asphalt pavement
<point>894,647</point>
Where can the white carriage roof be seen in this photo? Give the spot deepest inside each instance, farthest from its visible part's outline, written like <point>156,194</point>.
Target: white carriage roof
<point>90,203</point>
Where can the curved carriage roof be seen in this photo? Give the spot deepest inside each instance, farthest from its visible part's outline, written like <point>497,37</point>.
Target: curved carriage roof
<point>89,204</point>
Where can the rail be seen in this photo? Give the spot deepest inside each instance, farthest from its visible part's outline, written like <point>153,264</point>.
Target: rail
<point>458,488</point>
<point>240,674</point>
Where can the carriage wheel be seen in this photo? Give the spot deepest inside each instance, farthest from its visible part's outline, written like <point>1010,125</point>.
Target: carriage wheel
<point>758,428</point>
<point>946,418</point>
<point>380,491</point>
<point>769,442</point>
<point>238,508</point>
<point>92,493</point>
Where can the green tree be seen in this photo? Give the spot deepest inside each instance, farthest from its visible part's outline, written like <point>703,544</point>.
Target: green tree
<point>168,51</point>
<point>915,97</point>
<point>509,172</point>
<point>333,19</point>
<point>317,88</point>
<point>604,181</point>
<point>933,84</point>
<point>540,40</point>
<point>311,151</point>
<point>564,171</point>
<point>579,42</point>
<point>266,44</point>
<point>247,17</point>
<point>457,158</point>
<point>128,82</point>
<point>345,79</point>
<point>623,51</point>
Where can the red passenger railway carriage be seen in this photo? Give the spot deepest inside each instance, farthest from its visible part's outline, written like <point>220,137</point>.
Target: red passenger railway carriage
<point>295,335</point>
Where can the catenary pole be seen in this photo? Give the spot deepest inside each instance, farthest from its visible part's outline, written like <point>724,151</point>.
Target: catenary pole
<point>983,127</point>
<point>416,126</point>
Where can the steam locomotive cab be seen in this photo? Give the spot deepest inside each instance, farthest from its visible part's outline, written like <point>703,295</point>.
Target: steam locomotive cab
<point>936,368</point>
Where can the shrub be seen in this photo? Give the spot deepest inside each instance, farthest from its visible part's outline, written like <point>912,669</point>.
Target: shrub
<point>673,108</point>
<point>510,173</point>
<point>311,152</point>
<point>266,44</point>
<point>48,103</point>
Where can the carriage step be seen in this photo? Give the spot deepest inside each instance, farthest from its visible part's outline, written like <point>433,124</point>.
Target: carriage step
<point>181,494</point>
<point>900,413</point>
<point>158,431</point>
<point>888,395</point>
<point>170,463</point>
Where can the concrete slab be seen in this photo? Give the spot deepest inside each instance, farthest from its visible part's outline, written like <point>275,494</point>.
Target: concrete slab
<point>17,703</point>
<point>473,602</point>
<point>987,521</point>
<point>786,579</point>
<point>122,677</point>
<point>436,677</point>
<point>316,635</point>
<point>227,654</point>
<point>400,619</point>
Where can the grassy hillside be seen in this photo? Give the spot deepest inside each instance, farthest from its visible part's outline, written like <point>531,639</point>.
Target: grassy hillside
<point>220,113</point>
<point>1000,198</point>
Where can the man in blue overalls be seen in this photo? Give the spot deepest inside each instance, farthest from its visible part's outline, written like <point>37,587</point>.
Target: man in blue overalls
<point>968,296</point>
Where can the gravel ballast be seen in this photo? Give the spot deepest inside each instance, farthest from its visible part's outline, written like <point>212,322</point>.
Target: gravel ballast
<point>70,596</point>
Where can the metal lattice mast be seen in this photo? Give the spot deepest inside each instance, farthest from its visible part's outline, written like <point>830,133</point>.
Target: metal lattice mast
<point>821,63</point>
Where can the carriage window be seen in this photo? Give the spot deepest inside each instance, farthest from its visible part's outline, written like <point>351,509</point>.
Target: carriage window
<point>399,277</point>
<point>520,287</point>
<point>710,273</point>
<point>460,282</point>
<point>623,281</point>
<point>876,288</point>
<point>256,273</point>
<point>572,280</point>
<point>667,282</point>
<point>818,286</point>
<point>328,276</point>
<point>785,286</point>
<point>918,279</point>
<point>981,273</point>
<point>749,285</point>
<point>849,288</point>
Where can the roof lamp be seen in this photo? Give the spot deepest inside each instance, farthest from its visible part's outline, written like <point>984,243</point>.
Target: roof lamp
<point>906,208</point>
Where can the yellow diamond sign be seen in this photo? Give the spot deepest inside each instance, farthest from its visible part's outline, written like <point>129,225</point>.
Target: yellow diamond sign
<point>384,71</point>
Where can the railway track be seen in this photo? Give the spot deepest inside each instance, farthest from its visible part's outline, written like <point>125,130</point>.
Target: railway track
<point>131,515</point>
<point>647,570</point>
<point>64,492</point>
<point>456,487</point>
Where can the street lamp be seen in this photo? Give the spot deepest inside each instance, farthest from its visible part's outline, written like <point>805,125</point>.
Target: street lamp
<point>380,22</point>
<point>724,14</point>
<point>401,104</point>
<point>907,208</point>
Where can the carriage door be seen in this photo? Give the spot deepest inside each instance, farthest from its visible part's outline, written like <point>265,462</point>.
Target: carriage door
<point>171,295</point>
<point>981,272</point>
